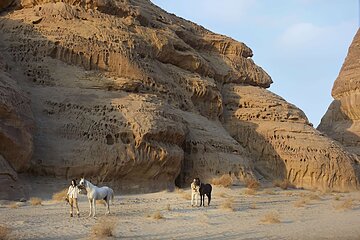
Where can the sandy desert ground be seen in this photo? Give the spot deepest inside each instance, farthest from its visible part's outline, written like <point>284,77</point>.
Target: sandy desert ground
<point>235,213</point>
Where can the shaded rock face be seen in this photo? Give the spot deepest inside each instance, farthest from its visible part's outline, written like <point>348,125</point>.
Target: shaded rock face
<point>342,120</point>
<point>123,92</point>
<point>16,124</point>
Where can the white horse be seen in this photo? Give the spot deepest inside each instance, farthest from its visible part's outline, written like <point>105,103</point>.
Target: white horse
<point>95,193</point>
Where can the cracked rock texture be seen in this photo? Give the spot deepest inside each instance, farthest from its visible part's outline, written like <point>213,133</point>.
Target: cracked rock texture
<point>126,93</point>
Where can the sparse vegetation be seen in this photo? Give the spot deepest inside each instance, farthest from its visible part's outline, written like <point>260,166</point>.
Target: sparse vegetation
<point>252,184</point>
<point>104,227</point>
<point>228,204</point>
<point>301,203</point>
<point>4,232</point>
<point>253,206</point>
<point>225,181</point>
<point>337,198</point>
<point>60,196</point>
<point>283,184</point>
<point>35,201</point>
<point>222,195</point>
<point>314,196</point>
<point>348,204</point>
<point>271,218</point>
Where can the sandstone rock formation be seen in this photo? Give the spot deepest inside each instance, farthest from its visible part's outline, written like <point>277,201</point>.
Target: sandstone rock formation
<point>282,142</point>
<point>342,120</point>
<point>122,91</point>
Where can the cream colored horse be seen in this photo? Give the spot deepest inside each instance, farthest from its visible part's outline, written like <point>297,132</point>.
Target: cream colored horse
<point>97,193</point>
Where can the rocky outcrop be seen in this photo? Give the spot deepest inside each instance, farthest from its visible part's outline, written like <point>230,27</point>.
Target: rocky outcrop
<point>342,120</point>
<point>282,142</point>
<point>124,92</point>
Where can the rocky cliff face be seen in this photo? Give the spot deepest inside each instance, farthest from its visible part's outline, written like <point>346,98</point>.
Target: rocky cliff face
<point>342,120</point>
<point>122,91</point>
<point>16,124</point>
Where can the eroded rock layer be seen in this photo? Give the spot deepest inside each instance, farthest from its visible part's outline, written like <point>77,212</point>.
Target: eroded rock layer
<point>123,92</point>
<point>342,120</point>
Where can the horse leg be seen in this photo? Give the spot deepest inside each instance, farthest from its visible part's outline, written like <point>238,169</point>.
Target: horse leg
<point>107,203</point>
<point>90,203</point>
<point>94,207</point>
<point>209,198</point>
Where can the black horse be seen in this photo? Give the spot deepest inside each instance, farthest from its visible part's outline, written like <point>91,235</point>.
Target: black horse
<point>205,189</point>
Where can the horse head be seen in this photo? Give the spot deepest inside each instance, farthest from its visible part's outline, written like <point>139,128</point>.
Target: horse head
<point>197,181</point>
<point>82,183</point>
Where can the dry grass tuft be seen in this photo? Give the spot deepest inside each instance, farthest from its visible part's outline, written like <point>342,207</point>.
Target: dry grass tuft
<point>184,195</point>
<point>271,218</point>
<point>157,215</point>
<point>337,198</point>
<point>102,201</point>
<point>283,184</point>
<point>348,204</point>
<point>314,196</point>
<point>168,207</point>
<point>252,184</point>
<point>104,227</point>
<point>4,232</point>
<point>60,196</point>
<point>35,201</point>
<point>228,204</point>
<point>253,206</point>
<point>250,192</point>
<point>225,181</point>
<point>270,192</point>
<point>13,206</point>
<point>301,203</point>
<point>222,194</point>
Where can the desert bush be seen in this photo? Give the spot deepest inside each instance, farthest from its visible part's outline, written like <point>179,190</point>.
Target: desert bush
<point>271,218</point>
<point>283,184</point>
<point>228,204</point>
<point>35,201</point>
<point>4,232</point>
<point>60,196</point>
<point>104,227</point>
<point>225,181</point>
